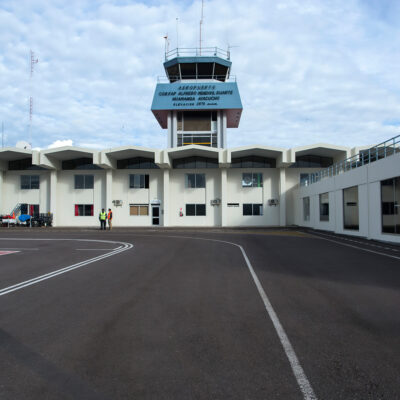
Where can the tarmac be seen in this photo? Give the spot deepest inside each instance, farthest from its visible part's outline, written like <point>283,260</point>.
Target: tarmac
<point>197,314</point>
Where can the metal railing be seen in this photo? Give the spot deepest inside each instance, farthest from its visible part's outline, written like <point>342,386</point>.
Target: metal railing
<point>364,157</point>
<point>196,78</point>
<point>196,52</point>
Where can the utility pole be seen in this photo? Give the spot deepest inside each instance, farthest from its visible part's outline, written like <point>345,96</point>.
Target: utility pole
<point>201,20</point>
<point>33,62</point>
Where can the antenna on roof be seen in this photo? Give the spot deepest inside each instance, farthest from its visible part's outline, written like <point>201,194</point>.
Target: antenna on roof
<point>166,45</point>
<point>177,34</point>
<point>2,134</point>
<point>201,20</point>
<point>33,62</point>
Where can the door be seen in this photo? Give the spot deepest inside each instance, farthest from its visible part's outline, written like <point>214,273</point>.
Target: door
<point>155,210</point>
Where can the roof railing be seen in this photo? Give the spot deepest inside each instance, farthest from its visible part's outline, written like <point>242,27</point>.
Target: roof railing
<point>196,78</point>
<point>197,52</point>
<point>364,157</point>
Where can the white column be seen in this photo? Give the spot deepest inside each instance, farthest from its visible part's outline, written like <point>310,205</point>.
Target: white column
<point>169,127</point>
<point>224,197</point>
<point>165,205</point>
<point>53,196</point>
<point>224,127</point>
<point>282,197</point>
<point>174,129</point>
<point>109,182</point>
<point>1,191</point>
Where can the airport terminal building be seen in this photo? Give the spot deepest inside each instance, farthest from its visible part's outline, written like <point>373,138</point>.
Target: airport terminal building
<point>196,181</point>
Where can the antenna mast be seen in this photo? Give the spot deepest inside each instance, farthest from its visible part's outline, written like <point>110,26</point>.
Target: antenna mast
<point>2,134</point>
<point>33,62</point>
<point>201,21</point>
<point>166,45</point>
<point>177,34</point>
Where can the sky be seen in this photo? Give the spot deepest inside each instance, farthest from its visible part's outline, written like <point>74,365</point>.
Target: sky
<point>308,71</point>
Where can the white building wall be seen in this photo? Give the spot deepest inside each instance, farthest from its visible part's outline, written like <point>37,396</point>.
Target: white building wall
<point>122,191</point>
<point>13,194</point>
<point>238,194</point>
<point>368,180</point>
<point>68,196</point>
<point>180,196</point>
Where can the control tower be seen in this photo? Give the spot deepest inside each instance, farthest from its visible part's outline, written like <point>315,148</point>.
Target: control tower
<point>198,99</point>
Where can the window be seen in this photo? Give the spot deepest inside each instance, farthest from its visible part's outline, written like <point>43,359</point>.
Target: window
<point>137,163</point>
<point>137,181</point>
<point>252,179</point>
<point>195,162</point>
<point>24,164</point>
<point>252,209</point>
<point>253,162</point>
<point>350,208</point>
<point>304,179</point>
<point>195,210</point>
<point>29,181</point>
<point>84,181</point>
<point>79,163</point>
<point>202,139</point>
<point>195,181</point>
<point>311,161</point>
<point>83,210</point>
<point>306,208</point>
<point>390,198</point>
<point>197,121</point>
<point>138,209</point>
<point>324,207</point>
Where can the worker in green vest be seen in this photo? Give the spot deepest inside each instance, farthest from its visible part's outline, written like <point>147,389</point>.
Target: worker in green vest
<point>102,219</point>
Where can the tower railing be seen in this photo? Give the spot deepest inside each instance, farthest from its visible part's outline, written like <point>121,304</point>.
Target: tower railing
<point>196,52</point>
<point>364,157</point>
<point>200,78</point>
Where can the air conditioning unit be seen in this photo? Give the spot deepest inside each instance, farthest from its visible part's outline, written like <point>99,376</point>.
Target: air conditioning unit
<point>215,202</point>
<point>117,203</point>
<point>273,202</point>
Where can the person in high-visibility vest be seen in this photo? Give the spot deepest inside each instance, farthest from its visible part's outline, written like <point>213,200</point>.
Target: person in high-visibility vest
<point>109,219</point>
<point>102,219</point>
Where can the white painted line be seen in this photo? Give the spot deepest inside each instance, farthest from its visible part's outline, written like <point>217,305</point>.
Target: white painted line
<point>302,381</point>
<point>33,281</point>
<point>100,249</point>
<point>4,253</point>
<point>354,247</point>
<point>301,378</point>
<point>17,248</point>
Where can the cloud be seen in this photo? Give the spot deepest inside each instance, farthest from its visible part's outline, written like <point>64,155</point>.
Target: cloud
<point>60,143</point>
<point>308,71</point>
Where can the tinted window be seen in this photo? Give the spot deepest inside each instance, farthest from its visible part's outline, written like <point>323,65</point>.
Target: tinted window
<point>253,162</point>
<point>247,209</point>
<point>190,209</point>
<point>200,209</point>
<point>79,163</point>
<point>25,182</point>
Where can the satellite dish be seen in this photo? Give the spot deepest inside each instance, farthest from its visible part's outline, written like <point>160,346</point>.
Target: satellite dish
<point>23,145</point>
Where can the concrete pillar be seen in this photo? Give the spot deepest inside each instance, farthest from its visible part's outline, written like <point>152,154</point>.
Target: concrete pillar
<point>282,197</point>
<point>224,127</point>
<point>53,196</point>
<point>169,127</point>
<point>224,197</point>
<point>109,182</point>
<point>174,129</point>
<point>165,205</point>
<point>1,191</point>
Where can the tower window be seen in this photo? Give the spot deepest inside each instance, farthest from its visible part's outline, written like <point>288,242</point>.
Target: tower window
<point>197,121</point>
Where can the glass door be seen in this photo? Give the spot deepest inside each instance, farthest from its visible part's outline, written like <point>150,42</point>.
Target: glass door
<point>155,215</point>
